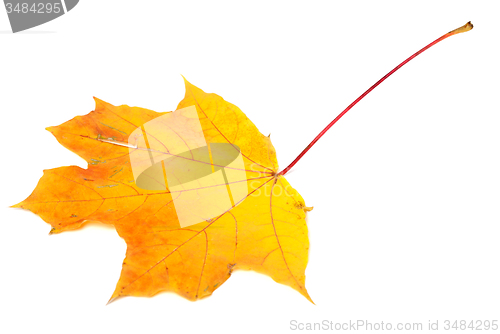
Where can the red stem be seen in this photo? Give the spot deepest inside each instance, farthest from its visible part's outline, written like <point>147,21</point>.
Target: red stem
<point>468,26</point>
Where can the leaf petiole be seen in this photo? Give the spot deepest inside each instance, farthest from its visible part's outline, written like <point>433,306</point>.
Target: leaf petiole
<point>468,26</point>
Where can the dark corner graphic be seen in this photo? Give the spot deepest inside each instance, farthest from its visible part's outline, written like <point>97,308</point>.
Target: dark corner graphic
<point>26,14</point>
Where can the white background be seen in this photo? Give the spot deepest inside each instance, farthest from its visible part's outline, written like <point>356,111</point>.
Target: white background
<point>405,188</point>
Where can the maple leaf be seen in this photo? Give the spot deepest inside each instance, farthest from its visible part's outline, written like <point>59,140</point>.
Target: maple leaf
<point>264,231</point>
<point>144,167</point>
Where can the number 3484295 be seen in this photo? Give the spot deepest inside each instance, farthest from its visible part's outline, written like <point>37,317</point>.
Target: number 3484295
<point>471,325</point>
<point>35,8</point>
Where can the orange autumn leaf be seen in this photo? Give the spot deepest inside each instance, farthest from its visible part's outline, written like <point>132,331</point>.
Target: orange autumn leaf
<point>259,226</point>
